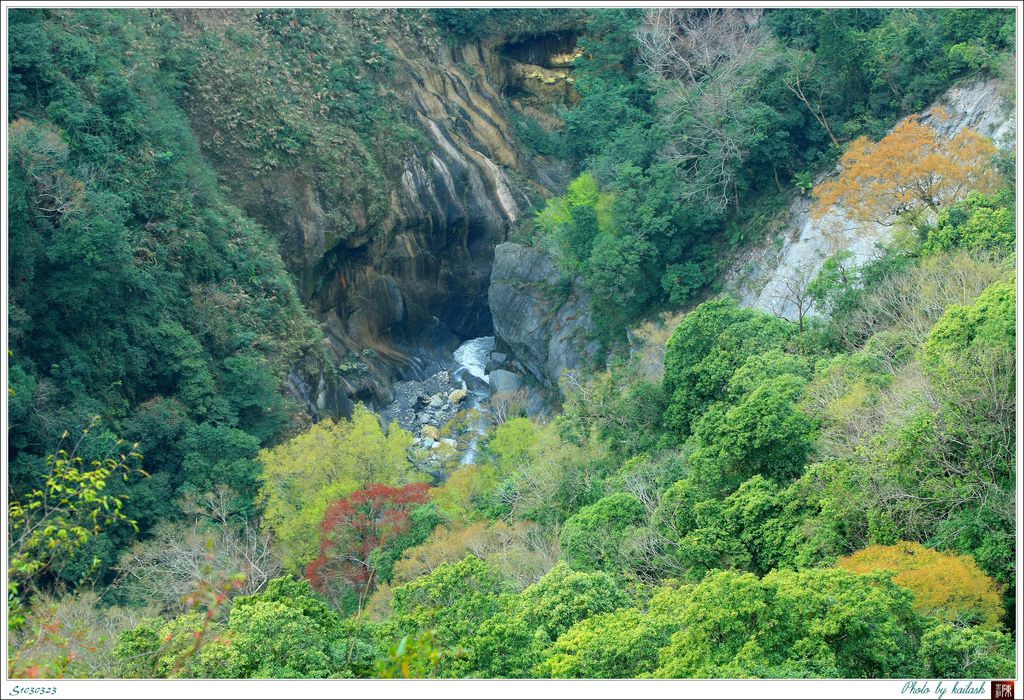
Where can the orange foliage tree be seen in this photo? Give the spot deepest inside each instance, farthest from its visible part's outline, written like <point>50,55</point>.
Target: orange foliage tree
<point>913,167</point>
<point>948,586</point>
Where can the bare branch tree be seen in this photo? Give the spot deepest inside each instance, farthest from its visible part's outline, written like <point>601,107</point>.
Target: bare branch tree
<point>506,405</point>
<point>701,61</point>
<point>691,45</point>
<point>912,301</point>
<point>795,299</point>
<point>803,81</point>
<point>218,544</point>
<point>43,155</point>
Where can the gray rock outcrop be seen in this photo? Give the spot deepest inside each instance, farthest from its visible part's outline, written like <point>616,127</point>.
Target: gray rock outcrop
<point>545,333</point>
<point>392,251</point>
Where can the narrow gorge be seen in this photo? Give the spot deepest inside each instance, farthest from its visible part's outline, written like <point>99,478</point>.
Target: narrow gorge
<point>399,278</point>
<point>512,343</point>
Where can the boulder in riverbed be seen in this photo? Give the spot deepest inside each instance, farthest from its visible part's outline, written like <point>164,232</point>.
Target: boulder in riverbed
<point>504,381</point>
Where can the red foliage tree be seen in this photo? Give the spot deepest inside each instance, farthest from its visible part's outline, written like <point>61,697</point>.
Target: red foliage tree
<point>356,525</point>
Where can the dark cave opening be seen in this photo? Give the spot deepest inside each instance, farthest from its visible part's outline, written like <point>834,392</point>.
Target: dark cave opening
<point>542,50</point>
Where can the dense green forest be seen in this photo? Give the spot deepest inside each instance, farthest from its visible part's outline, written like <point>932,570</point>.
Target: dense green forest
<point>833,498</point>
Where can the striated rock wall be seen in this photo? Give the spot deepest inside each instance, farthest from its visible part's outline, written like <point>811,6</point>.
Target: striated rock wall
<point>396,263</point>
<point>417,279</point>
<point>768,277</point>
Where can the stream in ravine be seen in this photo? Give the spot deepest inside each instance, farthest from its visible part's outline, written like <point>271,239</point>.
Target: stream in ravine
<point>439,388</point>
<point>470,364</point>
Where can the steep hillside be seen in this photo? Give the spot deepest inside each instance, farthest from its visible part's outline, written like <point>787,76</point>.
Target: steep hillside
<point>512,343</point>
<point>225,224</point>
<point>772,275</point>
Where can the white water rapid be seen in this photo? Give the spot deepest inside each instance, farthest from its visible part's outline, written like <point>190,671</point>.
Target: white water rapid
<point>471,359</point>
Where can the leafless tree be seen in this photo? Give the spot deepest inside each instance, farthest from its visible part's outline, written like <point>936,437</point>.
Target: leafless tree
<point>506,405</point>
<point>912,301</point>
<point>970,465</point>
<point>643,483</point>
<point>534,552</point>
<point>651,555</point>
<point>804,82</point>
<point>710,151</point>
<point>244,542</point>
<point>701,61</point>
<point>76,627</point>
<point>216,545</point>
<point>795,297</point>
<point>43,155</point>
<point>691,45</point>
<point>57,194</point>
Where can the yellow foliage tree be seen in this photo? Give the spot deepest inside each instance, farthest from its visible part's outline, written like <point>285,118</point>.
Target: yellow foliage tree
<point>948,586</point>
<point>521,552</point>
<point>327,462</point>
<point>455,498</point>
<point>913,167</point>
<point>75,501</point>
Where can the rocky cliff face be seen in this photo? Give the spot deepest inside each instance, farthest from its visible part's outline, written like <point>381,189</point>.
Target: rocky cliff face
<point>417,278</point>
<point>546,327</point>
<point>772,276</point>
<point>398,267</point>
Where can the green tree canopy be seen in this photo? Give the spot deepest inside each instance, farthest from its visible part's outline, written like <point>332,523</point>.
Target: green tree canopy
<point>809,624</point>
<point>598,536</point>
<point>707,347</point>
